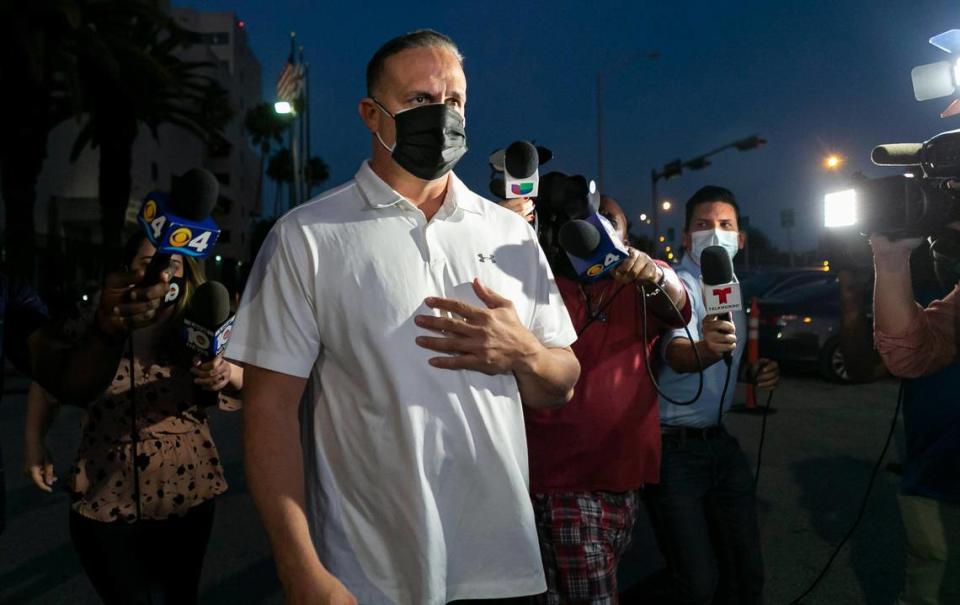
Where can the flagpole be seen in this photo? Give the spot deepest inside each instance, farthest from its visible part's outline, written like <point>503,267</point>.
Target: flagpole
<point>306,128</point>
<point>304,124</point>
<point>294,156</point>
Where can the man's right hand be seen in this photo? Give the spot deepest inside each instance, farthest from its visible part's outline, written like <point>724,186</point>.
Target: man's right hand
<point>720,335</point>
<point>125,304</point>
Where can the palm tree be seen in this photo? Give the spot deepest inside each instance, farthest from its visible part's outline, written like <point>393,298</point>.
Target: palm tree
<point>129,75</point>
<point>280,170</point>
<point>316,173</point>
<point>33,102</point>
<point>265,128</point>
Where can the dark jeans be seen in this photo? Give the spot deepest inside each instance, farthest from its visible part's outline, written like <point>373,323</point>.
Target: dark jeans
<point>148,562</point>
<point>704,514</point>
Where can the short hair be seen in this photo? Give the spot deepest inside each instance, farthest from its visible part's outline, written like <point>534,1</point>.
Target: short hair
<point>421,38</point>
<point>710,193</point>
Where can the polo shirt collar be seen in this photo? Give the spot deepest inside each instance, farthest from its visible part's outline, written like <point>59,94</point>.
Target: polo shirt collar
<point>378,194</point>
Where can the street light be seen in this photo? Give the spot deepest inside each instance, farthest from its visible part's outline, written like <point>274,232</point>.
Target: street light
<point>643,217</point>
<point>832,162</point>
<point>667,205</point>
<point>675,168</point>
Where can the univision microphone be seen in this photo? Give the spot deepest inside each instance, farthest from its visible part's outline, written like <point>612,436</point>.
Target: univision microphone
<point>519,164</point>
<point>721,290</point>
<point>590,242</point>
<point>180,223</point>
<point>207,321</point>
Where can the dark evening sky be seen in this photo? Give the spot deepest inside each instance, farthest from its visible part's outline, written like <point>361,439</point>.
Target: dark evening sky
<point>810,77</point>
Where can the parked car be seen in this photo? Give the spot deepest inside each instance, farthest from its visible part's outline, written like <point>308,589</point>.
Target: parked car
<point>767,284</point>
<point>800,325</point>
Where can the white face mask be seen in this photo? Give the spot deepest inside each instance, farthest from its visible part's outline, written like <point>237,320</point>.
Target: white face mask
<point>699,240</point>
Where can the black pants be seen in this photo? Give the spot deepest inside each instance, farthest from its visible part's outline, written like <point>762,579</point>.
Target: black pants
<point>149,562</point>
<point>704,515</point>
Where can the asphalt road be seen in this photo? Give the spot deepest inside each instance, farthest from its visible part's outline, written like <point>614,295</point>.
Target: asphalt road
<point>821,444</point>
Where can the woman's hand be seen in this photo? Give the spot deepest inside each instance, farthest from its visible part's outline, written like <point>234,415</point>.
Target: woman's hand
<point>37,464</point>
<point>212,375</point>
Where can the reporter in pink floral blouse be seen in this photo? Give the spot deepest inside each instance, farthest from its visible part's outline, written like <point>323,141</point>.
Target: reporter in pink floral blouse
<point>143,499</point>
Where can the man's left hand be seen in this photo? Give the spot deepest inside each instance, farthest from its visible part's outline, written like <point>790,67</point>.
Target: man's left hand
<point>638,267</point>
<point>768,374</point>
<point>491,340</point>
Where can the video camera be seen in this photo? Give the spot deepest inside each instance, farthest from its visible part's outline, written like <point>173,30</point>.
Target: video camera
<point>918,203</point>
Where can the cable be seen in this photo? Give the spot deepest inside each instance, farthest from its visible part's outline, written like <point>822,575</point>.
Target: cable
<point>863,504</point>
<point>646,358</point>
<point>763,432</point>
<point>134,433</point>
<point>723,393</point>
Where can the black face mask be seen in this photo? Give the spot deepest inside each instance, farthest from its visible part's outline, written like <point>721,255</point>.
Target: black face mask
<point>430,139</point>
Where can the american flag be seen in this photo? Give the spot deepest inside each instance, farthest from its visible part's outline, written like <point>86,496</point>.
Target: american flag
<point>290,82</point>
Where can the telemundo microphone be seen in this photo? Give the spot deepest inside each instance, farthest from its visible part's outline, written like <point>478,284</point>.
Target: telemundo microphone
<point>589,239</point>
<point>721,290</point>
<point>180,223</point>
<point>207,321</point>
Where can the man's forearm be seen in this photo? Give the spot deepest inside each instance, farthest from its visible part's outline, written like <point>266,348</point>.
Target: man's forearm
<point>77,373</point>
<point>682,355</point>
<point>547,377</point>
<point>894,306</point>
<point>274,469</point>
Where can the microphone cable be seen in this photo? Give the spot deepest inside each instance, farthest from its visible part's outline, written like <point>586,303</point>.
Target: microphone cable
<point>863,503</point>
<point>763,433</point>
<point>646,358</point>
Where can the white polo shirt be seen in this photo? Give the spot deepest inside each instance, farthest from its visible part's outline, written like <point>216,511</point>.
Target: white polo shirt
<point>416,477</point>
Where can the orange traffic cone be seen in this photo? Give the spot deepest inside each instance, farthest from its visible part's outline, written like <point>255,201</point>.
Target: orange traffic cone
<point>753,349</point>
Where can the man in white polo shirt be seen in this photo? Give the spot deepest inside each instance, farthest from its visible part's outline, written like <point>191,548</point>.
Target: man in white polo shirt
<point>410,318</point>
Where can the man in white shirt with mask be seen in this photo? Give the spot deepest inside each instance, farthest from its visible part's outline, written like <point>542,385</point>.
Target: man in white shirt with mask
<point>704,509</point>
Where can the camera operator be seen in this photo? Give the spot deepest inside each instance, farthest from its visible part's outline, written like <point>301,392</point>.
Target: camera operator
<point>590,459</point>
<point>704,509</point>
<point>919,343</point>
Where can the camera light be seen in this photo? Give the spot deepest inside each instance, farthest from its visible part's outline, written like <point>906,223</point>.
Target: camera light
<point>283,107</point>
<point>934,80</point>
<point>840,209</point>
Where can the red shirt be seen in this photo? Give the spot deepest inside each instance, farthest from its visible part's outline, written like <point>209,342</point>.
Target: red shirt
<point>607,438</point>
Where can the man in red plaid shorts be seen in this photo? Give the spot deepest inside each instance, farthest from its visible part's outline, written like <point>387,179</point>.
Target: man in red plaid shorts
<point>590,458</point>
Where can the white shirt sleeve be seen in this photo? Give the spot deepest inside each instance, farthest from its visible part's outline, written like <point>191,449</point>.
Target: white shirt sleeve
<point>551,322</point>
<point>276,324</point>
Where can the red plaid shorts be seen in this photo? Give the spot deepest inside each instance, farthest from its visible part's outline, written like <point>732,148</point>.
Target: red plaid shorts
<point>582,536</point>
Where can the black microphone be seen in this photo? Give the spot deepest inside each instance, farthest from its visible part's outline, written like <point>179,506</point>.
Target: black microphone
<point>185,224</point>
<point>207,321</point>
<point>721,290</point>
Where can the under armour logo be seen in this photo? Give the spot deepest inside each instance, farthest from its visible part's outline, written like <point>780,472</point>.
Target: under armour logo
<point>486,257</point>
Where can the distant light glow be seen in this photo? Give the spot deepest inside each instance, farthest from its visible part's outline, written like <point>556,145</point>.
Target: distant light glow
<point>666,205</point>
<point>670,256</point>
<point>218,258</point>
<point>668,249</point>
<point>643,217</point>
<point>84,298</point>
<point>241,24</point>
<point>283,107</point>
<point>840,209</point>
<point>808,320</point>
<point>826,263</point>
<point>832,162</point>
<point>662,239</point>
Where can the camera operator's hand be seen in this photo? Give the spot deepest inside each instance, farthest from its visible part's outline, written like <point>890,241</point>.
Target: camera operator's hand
<point>719,335</point>
<point>523,206</point>
<point>883,245</point>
